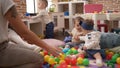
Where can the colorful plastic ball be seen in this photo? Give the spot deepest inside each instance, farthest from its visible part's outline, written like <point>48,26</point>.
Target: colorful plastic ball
<point>61,61</point>
<point>116,55</point>
<point>68,60</point>
<point>85,62</point>
<point>73,61</point>
<point>79,60</point>
<point>42,53</point>
<point>51,56</point>
<point>114,58</point>
<point>75,52</point>
<point>65,50</point>
<point>109,56</point>
<point>57,59</point>
<point>45,52</point>
<point>69,66</point>
<point>62,56</point>
<point>112,53</point>
<point>118,60</point>
<point>51,61</point>
<point>46,58</point>
<point>81,55</point>
<point>70,51</point>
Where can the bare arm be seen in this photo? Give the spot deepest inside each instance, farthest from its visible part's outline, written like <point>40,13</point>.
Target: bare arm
<point>17,24</point>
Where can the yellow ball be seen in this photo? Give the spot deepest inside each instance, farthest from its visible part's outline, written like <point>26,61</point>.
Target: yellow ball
<point>51,61</point>
<point>61,61</point>
<point>42,53</point>
<point>73,49</point>
<point>80,60</point>
<point>46,58</point>
<point>118,60</point>
<point>62,56</point>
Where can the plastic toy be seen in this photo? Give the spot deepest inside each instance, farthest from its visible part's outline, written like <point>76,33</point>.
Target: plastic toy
<point>118,60</point>
<point>51,61</point>
<point>46,58</point>
<point>57,60</point>
<point>85,62</point>
<point>79,60</point>
<point>73,61</point>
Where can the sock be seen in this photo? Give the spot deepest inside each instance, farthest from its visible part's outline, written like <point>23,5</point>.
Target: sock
<point>99,63</point>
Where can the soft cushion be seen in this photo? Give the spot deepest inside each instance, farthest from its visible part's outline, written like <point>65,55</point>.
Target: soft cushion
<point>109,40</point>
<point>54,42</point>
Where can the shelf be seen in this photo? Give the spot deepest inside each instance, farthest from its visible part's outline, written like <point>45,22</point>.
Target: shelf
<point>73,8</point>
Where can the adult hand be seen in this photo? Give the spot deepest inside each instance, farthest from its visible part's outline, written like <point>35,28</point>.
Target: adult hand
<point>55,51</point>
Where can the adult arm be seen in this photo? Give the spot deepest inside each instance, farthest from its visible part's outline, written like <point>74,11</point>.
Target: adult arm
<point>18,25</point>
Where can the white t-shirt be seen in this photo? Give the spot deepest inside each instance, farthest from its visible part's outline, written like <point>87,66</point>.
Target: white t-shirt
<point>42,16</point>
<point>75,32</point>
<point>92,40</point>
<point>5,5</point>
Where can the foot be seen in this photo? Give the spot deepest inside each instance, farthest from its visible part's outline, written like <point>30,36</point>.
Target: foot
<point>99,63</point>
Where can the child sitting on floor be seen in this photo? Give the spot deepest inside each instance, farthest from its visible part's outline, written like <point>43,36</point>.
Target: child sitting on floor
<point>76,31</point>
<point>92,40</point>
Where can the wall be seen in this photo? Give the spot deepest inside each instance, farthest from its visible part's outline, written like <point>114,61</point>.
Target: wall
<point>21,7</point>
<point>108,4</point>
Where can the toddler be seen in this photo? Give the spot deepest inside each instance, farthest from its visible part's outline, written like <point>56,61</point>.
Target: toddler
<point>43,16</point>
<point>92,40</point>
<point>76,32</point>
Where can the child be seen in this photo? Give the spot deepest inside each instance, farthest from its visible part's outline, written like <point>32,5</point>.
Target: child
<point>76,31</point>
<point>92,40</point>
<point>43,15</point>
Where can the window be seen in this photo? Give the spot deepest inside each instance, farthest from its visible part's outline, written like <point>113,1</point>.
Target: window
<point>32,5</point>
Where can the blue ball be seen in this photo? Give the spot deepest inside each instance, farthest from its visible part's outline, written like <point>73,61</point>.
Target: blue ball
<point>65,50</point>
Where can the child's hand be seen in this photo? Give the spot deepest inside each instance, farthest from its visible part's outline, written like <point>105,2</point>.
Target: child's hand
<point>84,48</point>
<point>76,37</point>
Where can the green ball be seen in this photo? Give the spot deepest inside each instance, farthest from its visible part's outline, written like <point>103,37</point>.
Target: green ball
<point>85,62</point>
<point>75,52</point>
<point>51,56</point>
<point>114,58</point>
<point>70,51</point>
<point>57,60</point>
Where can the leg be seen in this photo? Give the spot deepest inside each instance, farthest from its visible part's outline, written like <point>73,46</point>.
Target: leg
<point>98,58</point>
<point>13,36</point>
<point>16,57</point>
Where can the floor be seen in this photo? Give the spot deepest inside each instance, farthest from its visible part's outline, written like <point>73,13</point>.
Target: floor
<point>59,35</point>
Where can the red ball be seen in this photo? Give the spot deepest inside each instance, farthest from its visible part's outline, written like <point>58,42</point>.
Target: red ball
<point>63,65</point>
<point>81,55</point>
<point>109,56</point>
<point>68,60</point>
<point>45,52</point>
<point>73,61</point>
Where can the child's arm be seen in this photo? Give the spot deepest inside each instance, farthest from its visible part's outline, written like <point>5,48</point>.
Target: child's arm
<point>93,40</point>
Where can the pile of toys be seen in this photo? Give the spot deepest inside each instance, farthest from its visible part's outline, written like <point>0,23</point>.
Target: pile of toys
<point>112,59</point>
<point>68,59</point>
